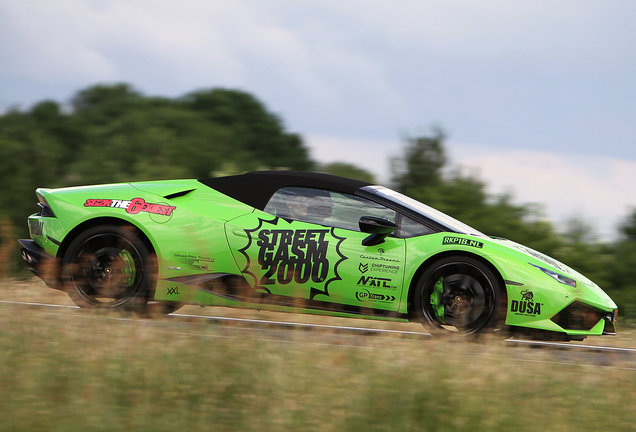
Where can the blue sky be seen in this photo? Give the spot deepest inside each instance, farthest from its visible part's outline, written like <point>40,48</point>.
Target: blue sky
<point>538,98</point>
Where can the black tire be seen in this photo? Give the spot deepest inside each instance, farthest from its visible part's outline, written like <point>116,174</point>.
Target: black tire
<point>460,295</point>
<point>109,267</point>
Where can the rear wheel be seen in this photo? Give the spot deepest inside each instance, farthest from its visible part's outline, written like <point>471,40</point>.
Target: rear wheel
<point>460,295</point>
<point>109,267</point>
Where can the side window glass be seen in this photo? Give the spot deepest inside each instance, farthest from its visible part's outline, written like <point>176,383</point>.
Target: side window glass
<point>412,228</point>
<point>325,208</point>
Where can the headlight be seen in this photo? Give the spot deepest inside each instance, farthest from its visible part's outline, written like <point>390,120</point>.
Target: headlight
<point>556,276</point>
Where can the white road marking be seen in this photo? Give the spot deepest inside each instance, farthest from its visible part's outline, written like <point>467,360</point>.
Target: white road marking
<point>351,329</point>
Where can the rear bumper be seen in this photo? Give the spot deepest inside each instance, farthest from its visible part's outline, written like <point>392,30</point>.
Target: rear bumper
<point>40,263</point>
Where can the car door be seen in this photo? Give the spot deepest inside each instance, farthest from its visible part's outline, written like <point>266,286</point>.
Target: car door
<point>306,251</point>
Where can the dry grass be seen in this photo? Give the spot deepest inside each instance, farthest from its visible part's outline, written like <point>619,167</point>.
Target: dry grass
<point>67,370</point>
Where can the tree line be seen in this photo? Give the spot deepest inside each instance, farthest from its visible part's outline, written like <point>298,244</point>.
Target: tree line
<point>112,133</point>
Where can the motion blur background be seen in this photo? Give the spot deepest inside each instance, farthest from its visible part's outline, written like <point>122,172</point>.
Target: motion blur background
<point>515,117</point>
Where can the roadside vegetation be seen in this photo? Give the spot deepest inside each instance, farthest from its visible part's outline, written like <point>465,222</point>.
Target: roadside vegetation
<point>67,370</point>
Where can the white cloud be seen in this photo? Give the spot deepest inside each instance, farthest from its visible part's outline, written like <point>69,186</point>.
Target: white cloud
<point>372,155</point>
<point>598,190</point>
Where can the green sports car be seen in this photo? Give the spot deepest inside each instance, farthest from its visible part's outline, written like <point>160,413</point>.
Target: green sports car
<point>303,242</point>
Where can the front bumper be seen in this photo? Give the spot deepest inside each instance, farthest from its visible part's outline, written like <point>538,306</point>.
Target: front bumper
<point>582,317</point>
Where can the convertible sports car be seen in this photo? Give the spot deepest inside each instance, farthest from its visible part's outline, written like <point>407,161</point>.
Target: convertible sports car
<point>304,242</point>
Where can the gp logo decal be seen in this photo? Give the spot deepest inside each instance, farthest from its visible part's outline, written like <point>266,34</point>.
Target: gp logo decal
<point>133,206</point>
<point>299,256</point>
<point>366,295</point>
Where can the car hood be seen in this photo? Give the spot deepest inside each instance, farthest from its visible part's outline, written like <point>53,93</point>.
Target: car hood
<point>537,258</point>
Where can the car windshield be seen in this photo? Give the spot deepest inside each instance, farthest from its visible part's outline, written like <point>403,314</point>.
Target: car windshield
<point>435,215</point>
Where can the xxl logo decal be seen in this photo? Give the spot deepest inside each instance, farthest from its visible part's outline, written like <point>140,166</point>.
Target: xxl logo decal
<point>293,256</point>
<point>133,206</point>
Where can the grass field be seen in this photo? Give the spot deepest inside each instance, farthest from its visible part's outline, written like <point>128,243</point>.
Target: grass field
<point>70,370</point>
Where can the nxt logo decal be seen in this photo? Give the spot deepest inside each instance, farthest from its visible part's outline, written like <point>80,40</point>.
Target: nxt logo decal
<point>298,255</point>
<point>363,267</point>
<point>173,290</point>
<point>374,281</point>
<point>133,206</point>
<point>526,306</point>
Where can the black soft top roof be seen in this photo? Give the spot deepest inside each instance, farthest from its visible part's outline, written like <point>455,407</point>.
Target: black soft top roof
<point>257,187</point>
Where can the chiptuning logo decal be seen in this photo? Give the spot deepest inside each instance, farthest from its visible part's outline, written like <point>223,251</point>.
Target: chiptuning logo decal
<point>363,267</point>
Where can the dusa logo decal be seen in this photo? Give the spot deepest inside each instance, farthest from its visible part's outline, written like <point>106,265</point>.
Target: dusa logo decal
<point>304,257</point>
<point>366,295</point>
<point>527,295</point>
<point>133,206</point>
<point>526,306</point>
<point>462,242</point>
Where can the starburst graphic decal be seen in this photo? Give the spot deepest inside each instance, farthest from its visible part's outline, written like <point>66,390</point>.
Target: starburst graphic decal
<point>279,254</point>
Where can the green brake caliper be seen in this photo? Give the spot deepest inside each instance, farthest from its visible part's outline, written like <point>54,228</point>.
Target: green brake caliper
<point>128,268</point>
<point>436,300</point>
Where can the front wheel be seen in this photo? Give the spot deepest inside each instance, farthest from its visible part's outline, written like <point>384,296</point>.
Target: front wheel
<point>459,295</point>
<point>108,267</point>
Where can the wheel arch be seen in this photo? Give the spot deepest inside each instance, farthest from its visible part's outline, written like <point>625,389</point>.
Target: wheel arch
<point>411,313</point>
<point>102,221</point>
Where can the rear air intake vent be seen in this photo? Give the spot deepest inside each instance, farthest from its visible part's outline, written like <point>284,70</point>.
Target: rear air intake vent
<point>178,194</point>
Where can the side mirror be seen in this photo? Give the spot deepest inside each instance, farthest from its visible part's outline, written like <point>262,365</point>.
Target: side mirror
<point>378,228</point>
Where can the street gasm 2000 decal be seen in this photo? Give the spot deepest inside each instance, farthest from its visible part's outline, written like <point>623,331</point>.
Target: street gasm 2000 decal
<point>288,255</point>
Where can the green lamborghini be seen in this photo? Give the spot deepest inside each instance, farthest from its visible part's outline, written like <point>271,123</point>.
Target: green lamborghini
<point>302,242</point>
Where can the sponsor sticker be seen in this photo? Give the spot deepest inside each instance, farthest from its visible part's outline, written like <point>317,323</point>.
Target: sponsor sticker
<point>133,206</point>
<point>197,262</point>
<point>376,282</point>
<point>366,295</point>
<point>298,255</point>
<point>526,306</point>
<point>462,242</point>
